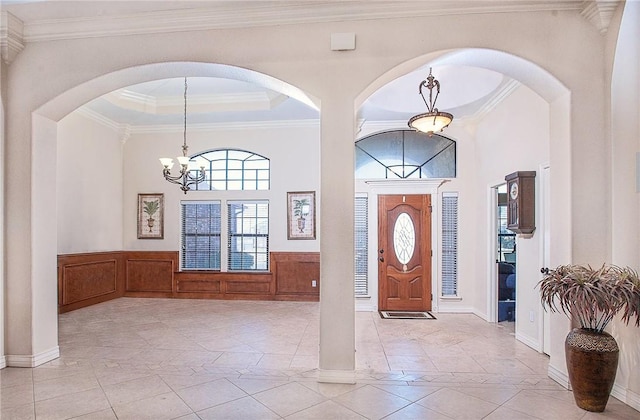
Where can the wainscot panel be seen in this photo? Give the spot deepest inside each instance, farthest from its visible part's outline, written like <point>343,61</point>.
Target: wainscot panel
<point>150,273</point>
<point>297,275</point>
<point>218,285</point>
<point>87,279</point>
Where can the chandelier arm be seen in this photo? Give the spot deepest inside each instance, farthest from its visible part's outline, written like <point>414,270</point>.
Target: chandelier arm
<point>433,104</point>
<point>424,85</point>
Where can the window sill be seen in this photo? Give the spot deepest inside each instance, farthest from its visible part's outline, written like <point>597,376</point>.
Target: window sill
<point>451,298</point>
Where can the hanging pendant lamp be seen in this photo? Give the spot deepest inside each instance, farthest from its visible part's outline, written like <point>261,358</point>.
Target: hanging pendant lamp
<point>187,176</point>
<point>433,120</point>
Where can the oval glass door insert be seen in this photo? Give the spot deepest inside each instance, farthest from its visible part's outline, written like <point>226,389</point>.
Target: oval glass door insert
<point>404,239</point>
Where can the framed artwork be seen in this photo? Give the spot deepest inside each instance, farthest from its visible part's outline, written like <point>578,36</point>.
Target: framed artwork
<point>301,215</point>
<point>151,216</point>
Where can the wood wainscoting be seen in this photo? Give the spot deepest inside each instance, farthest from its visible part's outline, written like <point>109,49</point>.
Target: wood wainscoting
<point>150,273</point>
<point>87,279</point>
<point>297,275</point>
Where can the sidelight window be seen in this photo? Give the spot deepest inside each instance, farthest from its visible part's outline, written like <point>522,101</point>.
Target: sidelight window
<point>450,244</point>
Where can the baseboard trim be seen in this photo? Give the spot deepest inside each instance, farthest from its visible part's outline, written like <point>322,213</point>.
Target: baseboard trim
<point>365,305</point>
<point>337,376</point>
<point>33,360</point>
<point>559,376</point>
<point>619,392</point>
<point>633,400</point>
<point>628,397</point>
<point>533,343</point>
<point>451,309</point>
<point>3,362</point>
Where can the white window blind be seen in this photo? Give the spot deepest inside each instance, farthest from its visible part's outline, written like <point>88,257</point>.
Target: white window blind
<point>449,244</point>
<point>201,228</point>
<point>361,241</point>
<point>248,223</point>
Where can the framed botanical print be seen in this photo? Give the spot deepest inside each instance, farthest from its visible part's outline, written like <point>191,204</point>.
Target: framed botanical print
<point>301,215</point>
<point>151,216</point>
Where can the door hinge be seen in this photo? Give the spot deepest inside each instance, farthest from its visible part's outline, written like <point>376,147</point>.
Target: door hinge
<point>432,297</point>
<point>431,252</point>
<point>430,209</point>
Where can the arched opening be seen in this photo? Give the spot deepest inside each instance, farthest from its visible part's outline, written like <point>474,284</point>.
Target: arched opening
<point>108,148</point>
<point>509,115</point>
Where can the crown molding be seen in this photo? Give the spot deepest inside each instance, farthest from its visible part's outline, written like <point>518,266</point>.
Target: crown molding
<point>239,125</point>
<point>245,101</point>
<point>100,119</point>
<point>220,16</point>
<point>600,13</point>
<point>125,131</point>
<point>496,99</point>
<point>11,36</point>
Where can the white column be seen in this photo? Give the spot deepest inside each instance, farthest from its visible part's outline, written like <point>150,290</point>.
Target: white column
<point>31,281</point>
<point>337,301</point>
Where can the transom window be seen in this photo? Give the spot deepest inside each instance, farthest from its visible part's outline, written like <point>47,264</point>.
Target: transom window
<point>234,170</point>
<point>405,154</point>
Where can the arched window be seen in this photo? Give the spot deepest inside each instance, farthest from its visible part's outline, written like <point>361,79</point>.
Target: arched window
<point>402,154</point>
<point>231,169</point>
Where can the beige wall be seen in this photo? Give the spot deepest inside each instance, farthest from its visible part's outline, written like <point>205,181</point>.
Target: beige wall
<point>293,154</point>
<point>89,186</point>
<point>514,137</point>
<point>625,200</point>
<point>3,85</point>
<point>563,44</point>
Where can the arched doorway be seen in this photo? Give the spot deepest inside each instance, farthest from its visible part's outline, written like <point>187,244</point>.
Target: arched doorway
<point>492,142</point>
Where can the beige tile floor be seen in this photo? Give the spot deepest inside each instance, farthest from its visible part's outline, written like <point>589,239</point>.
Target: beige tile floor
<point>202,359</point>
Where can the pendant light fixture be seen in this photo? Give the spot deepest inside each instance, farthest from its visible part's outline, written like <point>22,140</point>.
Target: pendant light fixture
<point>433,120</point>
<point>188,175</point>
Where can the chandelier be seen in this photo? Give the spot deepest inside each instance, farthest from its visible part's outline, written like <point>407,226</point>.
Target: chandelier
<point>433,120</point>
<point>188,175</point>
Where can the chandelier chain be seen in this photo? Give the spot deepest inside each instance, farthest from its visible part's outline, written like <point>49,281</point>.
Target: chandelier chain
<point>184,143</point>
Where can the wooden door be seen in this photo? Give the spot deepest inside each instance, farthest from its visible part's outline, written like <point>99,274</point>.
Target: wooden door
<point>404,252</point>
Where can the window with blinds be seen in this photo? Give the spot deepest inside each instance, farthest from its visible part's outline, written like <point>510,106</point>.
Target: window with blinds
<point>201,226</point>
<point>361,241</point>
<point>449,244</point>
<point>248,223</point>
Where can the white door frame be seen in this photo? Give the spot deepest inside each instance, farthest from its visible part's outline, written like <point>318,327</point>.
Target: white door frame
<point>404,186</point>
<point>544,208</point>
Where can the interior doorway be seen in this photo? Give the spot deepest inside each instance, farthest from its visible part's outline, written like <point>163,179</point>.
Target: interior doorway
<point>404,252</point>
<point>506,253</point>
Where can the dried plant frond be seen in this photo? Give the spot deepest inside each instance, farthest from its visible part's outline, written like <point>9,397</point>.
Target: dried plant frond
<point>592,296</point>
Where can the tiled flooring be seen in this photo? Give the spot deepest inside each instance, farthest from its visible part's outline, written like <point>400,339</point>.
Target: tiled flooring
<point>202,359</point>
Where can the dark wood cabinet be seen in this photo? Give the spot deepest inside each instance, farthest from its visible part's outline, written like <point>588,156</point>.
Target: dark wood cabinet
<point>521,201</point>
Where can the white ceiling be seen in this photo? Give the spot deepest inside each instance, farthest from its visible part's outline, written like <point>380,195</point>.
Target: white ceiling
<point>465,90</point>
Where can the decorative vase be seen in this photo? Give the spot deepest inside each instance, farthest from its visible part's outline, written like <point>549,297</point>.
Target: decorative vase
<point>150,224</point>
<point>592,360</point>
<point>301,223</point>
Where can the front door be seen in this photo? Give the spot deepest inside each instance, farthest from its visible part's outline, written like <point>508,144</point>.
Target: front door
<point>404,253</point>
